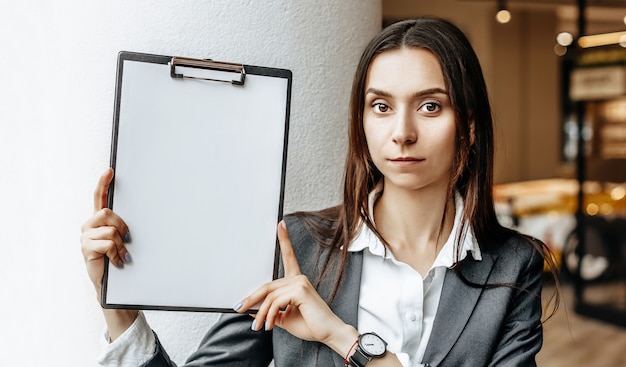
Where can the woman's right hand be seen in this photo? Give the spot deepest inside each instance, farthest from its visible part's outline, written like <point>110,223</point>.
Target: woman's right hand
<point>103,235</point>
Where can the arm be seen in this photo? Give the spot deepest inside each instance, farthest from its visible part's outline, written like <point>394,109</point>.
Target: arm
<point>293,304</point>
<point>521,336</point>
<point>104,235</point>
<point>231,342</point>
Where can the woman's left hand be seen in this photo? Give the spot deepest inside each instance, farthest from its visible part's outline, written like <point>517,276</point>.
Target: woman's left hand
<point>293,304</point>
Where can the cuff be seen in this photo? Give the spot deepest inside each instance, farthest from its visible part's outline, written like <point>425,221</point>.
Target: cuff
<point>404,359</point>
<point>133,348</point>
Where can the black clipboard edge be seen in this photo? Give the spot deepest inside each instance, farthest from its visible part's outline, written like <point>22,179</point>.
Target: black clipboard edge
<point>162,59</point>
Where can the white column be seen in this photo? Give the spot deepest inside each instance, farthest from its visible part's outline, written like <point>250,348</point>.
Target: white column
<point>57,76</point>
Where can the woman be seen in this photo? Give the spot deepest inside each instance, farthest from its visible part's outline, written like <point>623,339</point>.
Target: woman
<point>412,268</point>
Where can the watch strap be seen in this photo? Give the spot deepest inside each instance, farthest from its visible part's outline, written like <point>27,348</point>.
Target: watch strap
<point>359,359</point>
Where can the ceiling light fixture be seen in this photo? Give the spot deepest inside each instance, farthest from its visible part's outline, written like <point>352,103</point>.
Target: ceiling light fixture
<point>564,39</point>
<point>503,15</point>
<point>604,39</point>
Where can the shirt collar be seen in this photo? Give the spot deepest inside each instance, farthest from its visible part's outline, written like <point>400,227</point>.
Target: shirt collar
<point>366,238</point>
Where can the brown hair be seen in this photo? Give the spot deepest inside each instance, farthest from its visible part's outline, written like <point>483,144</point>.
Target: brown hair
<point>472,171</point>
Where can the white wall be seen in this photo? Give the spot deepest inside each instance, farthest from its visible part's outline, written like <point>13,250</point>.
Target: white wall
<point>57,69</point>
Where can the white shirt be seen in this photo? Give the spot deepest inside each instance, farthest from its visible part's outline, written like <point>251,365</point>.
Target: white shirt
<point>133,348</point>
<point>394,301</point>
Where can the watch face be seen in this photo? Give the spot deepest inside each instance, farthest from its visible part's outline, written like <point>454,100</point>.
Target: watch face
<point>373,344</point>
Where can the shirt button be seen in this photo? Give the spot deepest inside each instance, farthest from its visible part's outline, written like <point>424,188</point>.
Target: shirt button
<point>413,317</point>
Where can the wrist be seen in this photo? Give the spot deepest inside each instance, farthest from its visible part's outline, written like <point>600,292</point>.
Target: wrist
<point>342,341</point>
<point>370,347</point>
<point>118,321</point>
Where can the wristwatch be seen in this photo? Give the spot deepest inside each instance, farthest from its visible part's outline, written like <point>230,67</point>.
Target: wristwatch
<point>370,346</point>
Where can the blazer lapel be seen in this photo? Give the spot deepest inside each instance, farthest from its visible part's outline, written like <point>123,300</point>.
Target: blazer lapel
<point>456,305</point>
<point>346,302</point>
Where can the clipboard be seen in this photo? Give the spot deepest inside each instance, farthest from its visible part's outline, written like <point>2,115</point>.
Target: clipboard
<point>199,151</point>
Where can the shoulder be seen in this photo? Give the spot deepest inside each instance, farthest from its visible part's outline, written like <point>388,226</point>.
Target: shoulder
<point>513,245</point>
<point>516,255</point>
<point>523,248</point>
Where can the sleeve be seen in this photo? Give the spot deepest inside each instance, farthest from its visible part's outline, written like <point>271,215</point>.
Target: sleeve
<point>405,360</point>
<point>231,342</point>
<point>133,348</point>
<point>521,336</point>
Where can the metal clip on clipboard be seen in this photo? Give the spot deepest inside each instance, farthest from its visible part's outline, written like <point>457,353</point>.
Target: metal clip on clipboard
<point>208,64</point>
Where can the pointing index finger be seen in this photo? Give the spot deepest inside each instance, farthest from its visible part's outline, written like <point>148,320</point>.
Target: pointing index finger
<point>290,261</point>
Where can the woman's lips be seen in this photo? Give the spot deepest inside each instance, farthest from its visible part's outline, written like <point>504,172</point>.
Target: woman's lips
<point>406,160</point>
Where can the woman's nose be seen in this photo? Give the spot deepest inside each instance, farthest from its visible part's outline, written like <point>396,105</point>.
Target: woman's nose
<point>405,131</point>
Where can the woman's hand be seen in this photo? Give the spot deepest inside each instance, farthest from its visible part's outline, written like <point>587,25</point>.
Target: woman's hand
<point>293,304</point>
<point>103,235</point>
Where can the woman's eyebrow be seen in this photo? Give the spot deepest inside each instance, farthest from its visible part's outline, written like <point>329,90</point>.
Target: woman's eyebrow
<point>430,91</point>
<point>377,92</point>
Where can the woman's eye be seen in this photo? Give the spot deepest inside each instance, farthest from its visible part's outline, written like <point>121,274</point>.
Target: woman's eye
<point>380,107</point>
<point>430,107</point>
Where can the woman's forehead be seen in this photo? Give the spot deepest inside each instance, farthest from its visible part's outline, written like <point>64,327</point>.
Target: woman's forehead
<point>407,69</point>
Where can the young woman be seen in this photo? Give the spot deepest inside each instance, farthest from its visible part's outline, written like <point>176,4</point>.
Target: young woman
<point>412,268</point>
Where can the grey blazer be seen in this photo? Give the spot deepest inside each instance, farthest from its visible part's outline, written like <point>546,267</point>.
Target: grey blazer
<point>492,326</point>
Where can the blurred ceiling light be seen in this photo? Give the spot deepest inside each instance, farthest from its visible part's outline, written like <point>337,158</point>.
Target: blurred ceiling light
<point>618,193</point>
<point>622,40</point>
<point>625,19</point>
<point>503,15</point>
<point>592,209</point>
<point>560,50</point>
<point>606,209</point>
<point>601,39</point>
<point>564,39</point>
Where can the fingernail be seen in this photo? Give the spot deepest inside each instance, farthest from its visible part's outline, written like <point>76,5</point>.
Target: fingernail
<point>265,326</point>
<point>128,258</point>
<point>282,223</point>
<point>253,327</point>
<point>127,237</point>
<point>238,306</point>
<point>120,264</point>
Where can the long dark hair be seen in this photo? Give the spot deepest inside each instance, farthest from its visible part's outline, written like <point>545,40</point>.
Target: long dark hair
<point>472,171</point>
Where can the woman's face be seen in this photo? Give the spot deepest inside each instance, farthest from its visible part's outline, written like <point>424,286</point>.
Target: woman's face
<point>408,119</point>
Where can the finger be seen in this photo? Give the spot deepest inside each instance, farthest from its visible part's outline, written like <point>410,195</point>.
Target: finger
<point>106,225</point>
<point>276,301</point>
<point>101,194</point>
<point>290,262</point>
<point>112,234</point>
<point>99,248</point>
<point>105,233</point>
<point>275,315</point>
<point>107,218</point>
<point>259,295</point>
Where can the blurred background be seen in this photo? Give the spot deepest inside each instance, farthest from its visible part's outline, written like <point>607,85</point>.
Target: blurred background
<point>555,70</point>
